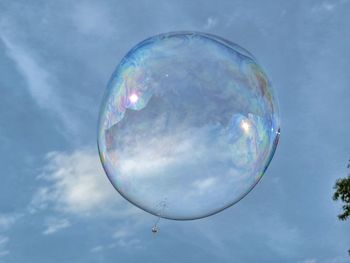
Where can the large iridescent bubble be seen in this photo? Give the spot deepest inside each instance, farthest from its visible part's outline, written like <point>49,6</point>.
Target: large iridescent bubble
<point>188,125</point>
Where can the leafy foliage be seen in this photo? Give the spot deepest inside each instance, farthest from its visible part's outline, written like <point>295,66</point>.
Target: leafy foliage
<point>342,192</point>
<point>342,187</point>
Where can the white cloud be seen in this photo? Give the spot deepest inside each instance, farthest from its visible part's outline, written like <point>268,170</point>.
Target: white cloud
<point>160,153</point>
<point>77,185</point>
<point>54,225</point>
<point>164,166</point>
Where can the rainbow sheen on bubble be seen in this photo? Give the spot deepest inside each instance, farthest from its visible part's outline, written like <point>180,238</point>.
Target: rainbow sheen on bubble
<point>188,125</point>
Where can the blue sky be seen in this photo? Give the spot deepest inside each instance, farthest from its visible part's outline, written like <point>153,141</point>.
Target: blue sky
<point>56,204</point>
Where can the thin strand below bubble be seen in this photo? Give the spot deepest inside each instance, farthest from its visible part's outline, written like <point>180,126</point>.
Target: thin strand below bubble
<point>155,228</point>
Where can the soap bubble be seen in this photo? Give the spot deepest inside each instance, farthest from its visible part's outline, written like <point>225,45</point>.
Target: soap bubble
<point>188,125</point>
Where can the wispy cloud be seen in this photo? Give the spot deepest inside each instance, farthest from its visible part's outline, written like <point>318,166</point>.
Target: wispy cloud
<point>3,242</point>
<point>269,232</point>
<point>97,249</point>
<point>129,243</point>
<point>327,6</point>
<point>121,233</point>
<point>339,259</point>
<point>76,185</point>
<point>93,19</point>
<point>125,243</point>
<point>312,260</point>
<point>280,237</point>
<point>40,83</point>
<point>124,237</point>
<point>7,220</point>
<point>55,224</point>
<point>210,23</point>
<point>37,77</point>
<point>205,184</point>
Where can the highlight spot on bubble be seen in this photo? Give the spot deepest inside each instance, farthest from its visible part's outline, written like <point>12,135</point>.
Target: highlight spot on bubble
<point>245,126</point>
<point>133,98</point>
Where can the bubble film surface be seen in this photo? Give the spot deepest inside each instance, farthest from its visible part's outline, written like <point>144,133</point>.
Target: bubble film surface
<point>188,125</point>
